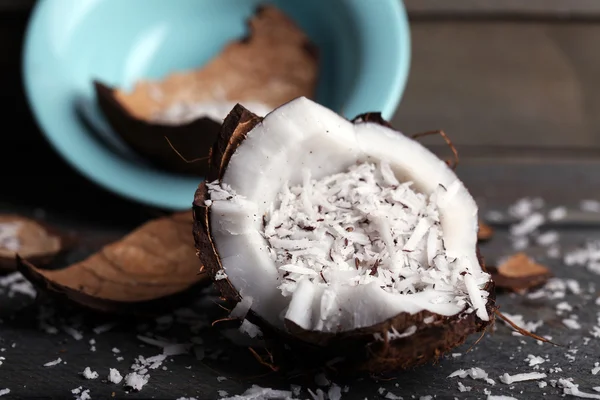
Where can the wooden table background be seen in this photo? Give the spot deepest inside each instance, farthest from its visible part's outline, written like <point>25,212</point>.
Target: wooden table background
<point>517,87</point>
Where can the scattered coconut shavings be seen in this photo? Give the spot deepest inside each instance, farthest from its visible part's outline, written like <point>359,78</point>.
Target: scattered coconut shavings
<point>590,205</point>
<point>596,369</point>
<point>528,376</point>
<point>72,332</point>
<point>463,388</point>
<point>89,374</point>
<point>53,363</point>
<point>534,360</point>
<point>571,323</point>
<point>525,207</point>
<point>114,376</point>
<point>558,213</point>
<point>259,393</point>
<point>530,326</point>
<point>392,396</point>
<point>104,328</point>
<point>136,381</point>
<point>15,283</point>
<point>519,272</point>
<point>474,373</point>
<point>527,225</point>
<point>4,391</point>
<point>501,397</point>
<point>569,388</point>
<point>220,275</point>
<point>563,306</point>
<point>547,238</point>
<point>361,227</point>
<point>81,394</point>
<point>169,349</point>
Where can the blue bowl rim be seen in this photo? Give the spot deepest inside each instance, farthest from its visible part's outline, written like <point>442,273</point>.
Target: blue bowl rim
<point>162,197</point>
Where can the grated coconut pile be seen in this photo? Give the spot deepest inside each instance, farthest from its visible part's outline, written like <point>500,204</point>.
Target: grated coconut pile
<point>362,226</point>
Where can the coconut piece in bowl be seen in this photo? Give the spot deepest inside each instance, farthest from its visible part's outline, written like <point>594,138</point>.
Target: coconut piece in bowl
<point>345,235</point>
<point>274,64</point>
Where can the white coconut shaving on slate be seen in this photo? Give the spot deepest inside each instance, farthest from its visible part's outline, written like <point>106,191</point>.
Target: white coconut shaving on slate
<point>259,393</point>
<point>184,112</point>
<point>361,242</point>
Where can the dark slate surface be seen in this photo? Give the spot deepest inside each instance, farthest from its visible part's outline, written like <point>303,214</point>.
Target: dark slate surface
<point>497,353</point>
<point>490,128</point>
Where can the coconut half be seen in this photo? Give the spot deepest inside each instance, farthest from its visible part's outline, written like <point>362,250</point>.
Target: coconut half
<point>346,235</point>
<point>275,63</point>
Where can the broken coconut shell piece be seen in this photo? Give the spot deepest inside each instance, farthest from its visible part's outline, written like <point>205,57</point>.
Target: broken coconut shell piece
<point>154,261</point>
<point>30,239</point>
<point>273,65</point>
<point>346,236</point>
<point>519,273</point>
<point>485,232</point>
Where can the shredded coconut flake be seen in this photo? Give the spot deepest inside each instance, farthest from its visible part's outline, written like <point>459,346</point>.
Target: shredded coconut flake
<point>557,213</point>
<point>114,376</point>
<point>361,227</point>
<point>53,363</point>
<point>534,360</point>
<point>572,389</point>
<point>571,323</point>
<point>463,388</point>
<point>529,376</point>
<point>259,393</point>
<point>474,373</point>
<point>220,275</point>
<point>4,391</point>
<point>89,374</point>
<point>136,381</point>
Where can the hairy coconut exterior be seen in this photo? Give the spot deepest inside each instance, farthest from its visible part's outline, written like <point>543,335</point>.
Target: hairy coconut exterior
<point>236,125</point>
<point>370,349</point>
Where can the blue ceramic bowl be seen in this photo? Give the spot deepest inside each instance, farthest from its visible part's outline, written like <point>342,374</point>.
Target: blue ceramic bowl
<point>365,57</point>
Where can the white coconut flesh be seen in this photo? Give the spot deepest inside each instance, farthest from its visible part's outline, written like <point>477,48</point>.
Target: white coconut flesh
<point>336,226</point>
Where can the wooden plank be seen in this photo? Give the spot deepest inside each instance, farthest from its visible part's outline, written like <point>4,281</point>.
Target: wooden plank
<point>532,85</point>
<point>527,8</point>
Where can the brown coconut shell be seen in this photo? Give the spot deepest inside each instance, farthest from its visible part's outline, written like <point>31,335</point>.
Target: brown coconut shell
<point>519,273</point>
<point>152,263</point>
<point>361,350</point>
<point>38,242</point>
<point>274,64</point>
